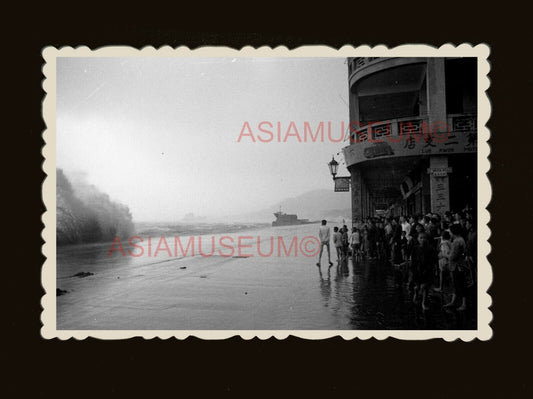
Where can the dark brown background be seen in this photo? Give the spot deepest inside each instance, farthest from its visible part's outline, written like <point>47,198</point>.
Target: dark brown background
<point>361,368</point>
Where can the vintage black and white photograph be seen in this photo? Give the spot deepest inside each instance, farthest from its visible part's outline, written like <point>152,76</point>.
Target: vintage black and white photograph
<point>265,192</point>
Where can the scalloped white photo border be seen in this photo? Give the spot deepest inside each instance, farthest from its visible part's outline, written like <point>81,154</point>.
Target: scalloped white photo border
<point>48,274</point>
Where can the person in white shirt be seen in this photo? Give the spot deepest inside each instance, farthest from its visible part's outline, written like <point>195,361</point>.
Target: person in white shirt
<point>323,235</point>
<point>405,226</point>
<point>337,241</point>
<point>355,243</point>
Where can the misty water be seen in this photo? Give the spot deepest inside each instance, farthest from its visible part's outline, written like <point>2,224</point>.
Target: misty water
<point>233,292</point>
<point>107,256</point>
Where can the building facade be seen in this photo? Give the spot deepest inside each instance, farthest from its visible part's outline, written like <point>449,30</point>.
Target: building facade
<point>412,145</point>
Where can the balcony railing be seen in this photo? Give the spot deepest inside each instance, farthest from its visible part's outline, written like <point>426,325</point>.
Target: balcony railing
<point>463,123</point>
<point>402,127</point>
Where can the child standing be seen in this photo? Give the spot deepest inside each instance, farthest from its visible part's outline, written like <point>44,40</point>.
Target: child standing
<point>355,243</point>
<point>337,242</point>
<point>345,241</point>
<point>445,248</point>
<point>458,267</point>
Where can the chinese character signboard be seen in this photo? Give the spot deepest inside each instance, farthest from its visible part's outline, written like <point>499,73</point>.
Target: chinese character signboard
<point>406,138</point>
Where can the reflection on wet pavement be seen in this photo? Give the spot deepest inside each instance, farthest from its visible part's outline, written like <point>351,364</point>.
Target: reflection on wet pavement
<point>236,293</point>
<point>373,295</point>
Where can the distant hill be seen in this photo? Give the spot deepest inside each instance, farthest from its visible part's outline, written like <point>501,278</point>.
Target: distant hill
<point>312,205</point>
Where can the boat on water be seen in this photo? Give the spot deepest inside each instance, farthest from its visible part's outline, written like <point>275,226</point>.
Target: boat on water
<point>284,219</point>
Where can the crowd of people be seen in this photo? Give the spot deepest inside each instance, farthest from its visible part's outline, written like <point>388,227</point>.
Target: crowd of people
<point>426,250</point>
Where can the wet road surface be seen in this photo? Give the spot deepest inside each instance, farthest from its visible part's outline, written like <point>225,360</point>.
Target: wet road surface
<point>242,293</point>
<point>374,295</point>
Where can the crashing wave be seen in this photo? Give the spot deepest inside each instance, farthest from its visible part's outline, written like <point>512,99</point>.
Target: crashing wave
<point>86,215</point>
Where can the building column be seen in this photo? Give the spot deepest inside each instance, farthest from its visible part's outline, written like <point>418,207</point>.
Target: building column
<point>438,164</point>
<point>357,195</point>
<point>439,184</point>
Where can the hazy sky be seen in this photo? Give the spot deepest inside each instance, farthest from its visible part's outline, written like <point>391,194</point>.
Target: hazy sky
<point>161,134</point>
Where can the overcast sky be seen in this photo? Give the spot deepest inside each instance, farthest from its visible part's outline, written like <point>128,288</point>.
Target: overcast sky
<point>161,134</point>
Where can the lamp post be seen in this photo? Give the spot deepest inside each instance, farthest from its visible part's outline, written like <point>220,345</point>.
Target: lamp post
<point>333,166</point>
<point>342,183</point>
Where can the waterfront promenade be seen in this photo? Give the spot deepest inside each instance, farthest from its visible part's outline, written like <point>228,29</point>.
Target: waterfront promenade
<point>240,293</point>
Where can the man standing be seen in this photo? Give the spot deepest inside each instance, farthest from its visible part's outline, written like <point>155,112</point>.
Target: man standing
<point>323,234</point>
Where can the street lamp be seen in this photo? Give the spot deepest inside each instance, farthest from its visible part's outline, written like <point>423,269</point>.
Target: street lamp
<point>342,183</point>
<point>333,166</point>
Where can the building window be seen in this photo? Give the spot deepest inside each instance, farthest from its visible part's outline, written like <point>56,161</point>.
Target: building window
<point>393,93</point>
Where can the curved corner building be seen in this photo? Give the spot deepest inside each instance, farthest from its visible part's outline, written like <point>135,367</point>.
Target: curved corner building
<point>412,146</point>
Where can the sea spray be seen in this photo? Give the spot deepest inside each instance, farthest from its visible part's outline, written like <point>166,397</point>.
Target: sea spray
<point>85,214</point>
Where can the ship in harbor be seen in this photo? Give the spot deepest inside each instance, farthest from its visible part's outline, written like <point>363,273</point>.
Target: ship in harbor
<point>284,219</point>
